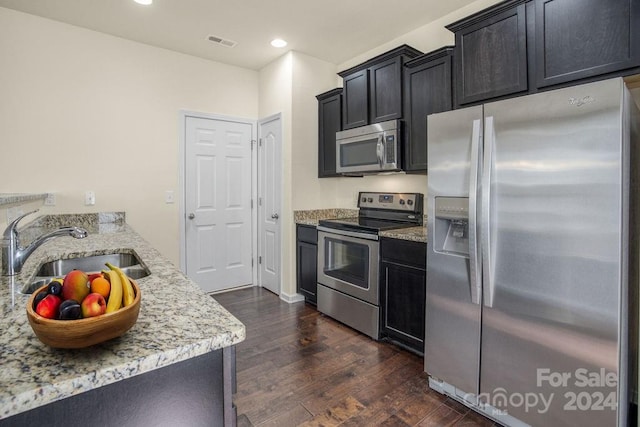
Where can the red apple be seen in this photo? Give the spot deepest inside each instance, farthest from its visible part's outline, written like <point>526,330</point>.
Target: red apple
<point>93,305</point>
<point>75,285</point>
<point>48,307</point>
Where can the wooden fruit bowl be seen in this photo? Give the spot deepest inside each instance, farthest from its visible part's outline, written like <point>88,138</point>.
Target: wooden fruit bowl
<point>83,332</point>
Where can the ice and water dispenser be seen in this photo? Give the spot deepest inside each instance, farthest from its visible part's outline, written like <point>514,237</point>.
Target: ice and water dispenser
<point>451,228</point>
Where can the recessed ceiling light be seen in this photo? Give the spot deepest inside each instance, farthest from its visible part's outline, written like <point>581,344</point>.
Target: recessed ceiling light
<point>144,2</point>
<point>278,43</point>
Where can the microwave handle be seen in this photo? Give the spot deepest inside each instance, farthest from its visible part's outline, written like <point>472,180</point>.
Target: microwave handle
<point>380,149</point>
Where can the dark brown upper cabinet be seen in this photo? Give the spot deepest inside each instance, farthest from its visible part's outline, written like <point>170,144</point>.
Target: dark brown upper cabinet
<point>491,53</point>
<point>355,99</point>
<point>576,39</point>
<point>385,91</point>
<point>329,122</point>
<point>428,90</point>
<point>373,90</point>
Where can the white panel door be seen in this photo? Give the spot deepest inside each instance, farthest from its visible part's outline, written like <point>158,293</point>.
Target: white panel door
<point>269,188</point>
<point>218,203</point>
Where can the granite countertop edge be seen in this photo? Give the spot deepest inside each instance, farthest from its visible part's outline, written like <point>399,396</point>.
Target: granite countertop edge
<point>33,399</point>
<point>414,234</point>
<point>17,198</point>
<point>177,321</point>
<point>312,217</point>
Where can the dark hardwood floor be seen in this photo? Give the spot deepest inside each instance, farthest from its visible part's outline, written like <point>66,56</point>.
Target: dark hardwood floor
<point>298,367</point>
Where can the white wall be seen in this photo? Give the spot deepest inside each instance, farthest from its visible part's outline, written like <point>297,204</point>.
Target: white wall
<point>81,110</point>
<point>311,76</point>
<point>275,97</point>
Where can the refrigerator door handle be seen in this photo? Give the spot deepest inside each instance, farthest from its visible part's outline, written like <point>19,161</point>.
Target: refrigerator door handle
<point>485,227</point>
<point>475,267</point>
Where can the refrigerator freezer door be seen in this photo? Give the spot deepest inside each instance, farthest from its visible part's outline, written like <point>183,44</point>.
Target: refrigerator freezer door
<point>550,334</point>
<point>452,321</point>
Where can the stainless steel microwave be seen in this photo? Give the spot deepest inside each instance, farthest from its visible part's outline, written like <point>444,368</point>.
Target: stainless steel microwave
<point>369,149</point>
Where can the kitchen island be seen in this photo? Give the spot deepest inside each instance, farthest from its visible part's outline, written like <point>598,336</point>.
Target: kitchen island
<point>176,359</point>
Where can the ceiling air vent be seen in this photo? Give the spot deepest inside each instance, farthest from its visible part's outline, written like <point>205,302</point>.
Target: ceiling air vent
<point>221,41</point>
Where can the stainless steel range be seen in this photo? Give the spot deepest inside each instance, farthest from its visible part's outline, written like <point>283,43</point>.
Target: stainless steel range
<point>348,257</point>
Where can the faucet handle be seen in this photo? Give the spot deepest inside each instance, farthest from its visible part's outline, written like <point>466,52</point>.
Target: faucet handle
<point>11,228</point>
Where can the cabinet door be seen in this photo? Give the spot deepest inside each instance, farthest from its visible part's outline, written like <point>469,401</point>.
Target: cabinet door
<point>385,91</point>
<point>404,291</point>
<point>582,38</point>
<point>355,105</point>
<point>491,57</point>
<point>427,91</point>
<point>307,263</point>
<point>329,122</point>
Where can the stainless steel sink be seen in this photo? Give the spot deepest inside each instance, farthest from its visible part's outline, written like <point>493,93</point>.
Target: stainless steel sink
<point>128,262</point>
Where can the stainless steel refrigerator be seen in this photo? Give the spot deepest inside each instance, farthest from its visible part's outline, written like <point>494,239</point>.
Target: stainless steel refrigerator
<point>531,279</point>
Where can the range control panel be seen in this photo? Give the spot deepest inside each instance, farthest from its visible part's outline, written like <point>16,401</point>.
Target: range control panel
<point>411,202</point>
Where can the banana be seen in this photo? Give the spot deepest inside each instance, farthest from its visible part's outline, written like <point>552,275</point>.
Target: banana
<point>127,288</point>
<point>115,297</point>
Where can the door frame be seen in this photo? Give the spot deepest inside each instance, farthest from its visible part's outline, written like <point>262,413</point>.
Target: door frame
<point>182,120</point>
<point>276,116</point>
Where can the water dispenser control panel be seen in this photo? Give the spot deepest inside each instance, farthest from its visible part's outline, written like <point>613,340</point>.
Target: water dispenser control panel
<point>452,208</point>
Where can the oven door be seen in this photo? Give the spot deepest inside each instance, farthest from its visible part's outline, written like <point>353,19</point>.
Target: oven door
<point>349,263</point>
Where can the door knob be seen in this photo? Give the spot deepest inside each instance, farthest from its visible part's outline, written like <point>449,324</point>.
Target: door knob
<point>192,215</point>
<point>275,216</point>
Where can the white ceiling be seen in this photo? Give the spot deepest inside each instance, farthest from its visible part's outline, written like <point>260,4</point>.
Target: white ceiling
<point>332,30</point>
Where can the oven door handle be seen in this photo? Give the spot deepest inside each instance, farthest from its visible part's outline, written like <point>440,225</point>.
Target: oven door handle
<point>356,234</point>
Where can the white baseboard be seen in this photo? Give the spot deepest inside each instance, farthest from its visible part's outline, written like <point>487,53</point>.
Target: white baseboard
<point>221,291</point>
<point>291,298</point>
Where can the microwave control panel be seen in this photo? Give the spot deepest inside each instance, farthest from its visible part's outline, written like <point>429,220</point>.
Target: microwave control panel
<point>390,148</point>
<point>411,202</point>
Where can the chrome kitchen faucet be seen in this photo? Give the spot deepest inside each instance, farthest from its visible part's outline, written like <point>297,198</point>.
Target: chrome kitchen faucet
<point>14,256</point>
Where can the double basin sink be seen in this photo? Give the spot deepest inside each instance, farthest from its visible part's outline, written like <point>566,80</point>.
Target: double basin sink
<point>129,262</point>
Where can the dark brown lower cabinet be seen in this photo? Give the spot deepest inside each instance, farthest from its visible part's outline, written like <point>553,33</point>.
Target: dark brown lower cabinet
<point>194,392</point>
<point>307,262</point>
<point>403,280</point>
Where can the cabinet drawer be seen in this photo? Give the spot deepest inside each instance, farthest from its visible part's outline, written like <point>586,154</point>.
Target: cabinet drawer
<point>308,233</point>
<point>404,252</point>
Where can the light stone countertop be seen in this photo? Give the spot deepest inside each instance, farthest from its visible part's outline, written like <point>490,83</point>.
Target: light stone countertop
<point>177,321</point>
<point>415,234</point>
<point>311,217</point>
<point>11,198</point>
